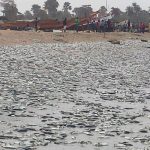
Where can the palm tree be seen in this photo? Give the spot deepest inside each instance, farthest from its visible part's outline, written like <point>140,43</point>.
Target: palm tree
<point>66,8</point>
<point>35,9</point>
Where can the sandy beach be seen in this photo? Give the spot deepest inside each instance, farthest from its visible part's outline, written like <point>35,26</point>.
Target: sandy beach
<point>74,91</point>
<point>9,37</point>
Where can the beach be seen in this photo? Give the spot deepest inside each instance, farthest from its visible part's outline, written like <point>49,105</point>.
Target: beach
<point>68,91</point>
<point>9,37</point>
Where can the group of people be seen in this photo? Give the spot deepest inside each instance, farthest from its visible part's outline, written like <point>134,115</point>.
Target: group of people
<point>100,26</point>
<point>131,27</point>
<point>95,26</point>
<point>106,26</point>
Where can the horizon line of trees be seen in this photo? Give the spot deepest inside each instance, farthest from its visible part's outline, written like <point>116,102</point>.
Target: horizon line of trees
<point>134,13</point>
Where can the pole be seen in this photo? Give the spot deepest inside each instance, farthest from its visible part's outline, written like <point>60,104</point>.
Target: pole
<point>106,4</point>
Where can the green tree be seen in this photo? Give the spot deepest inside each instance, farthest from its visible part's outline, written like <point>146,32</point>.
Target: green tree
<point>51,6</point>
<point>102,11</point>
<point>136,8</point>
<point>60,15</point>
<point>83,11</point>
<point>134,13</point>
<point>144,16</point>
<point>38,12</point>
<point>28,15</point>
<point>3,2</point>
<point>43,15</point>
<point>116,11</point>
<point>9,9</point>
<point>66,8</point>
<point>129,10</point>
<point>35,9</point>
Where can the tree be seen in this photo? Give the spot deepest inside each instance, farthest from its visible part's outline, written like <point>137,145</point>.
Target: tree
<point>38,12</point>
<point>134,12</point>
<point>60,15</point>
<point>83,11</point>
<point>51,6</point>
<point>28,15</point>
<point>136,8</point>
<point>9,9</point>
<point>143,16</point>
<point>66,8</point>
<point>129,10</point>
<point>35,9</point>
<point>102,11</point>
<point>3,2</point>
<point>116,11</point>
<point>42,15</point>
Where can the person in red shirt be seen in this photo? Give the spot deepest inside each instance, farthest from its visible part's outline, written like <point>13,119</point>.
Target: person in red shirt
<point>142,27</point>
<point>98,26</point>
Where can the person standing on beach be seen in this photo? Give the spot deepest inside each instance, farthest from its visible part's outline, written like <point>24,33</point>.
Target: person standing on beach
<point>129,25</point>
<point>88,25</point>
<point>142,27</point>
<point>65,24</point>
<point>102,25</point>
<point>36,24</point>
<point>98,26</point>
<point>77,22</point>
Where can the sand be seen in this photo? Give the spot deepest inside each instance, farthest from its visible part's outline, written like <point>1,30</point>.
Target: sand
<point>85,96</point>
<point>74,91</point>
<point>8,37</point>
